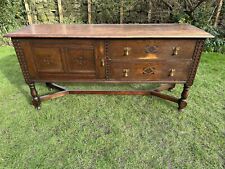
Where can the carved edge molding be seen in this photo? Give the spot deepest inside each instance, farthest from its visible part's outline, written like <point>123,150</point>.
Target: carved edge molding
<point>21,59</point>
<point>107,66</point>
<point>196,58</point>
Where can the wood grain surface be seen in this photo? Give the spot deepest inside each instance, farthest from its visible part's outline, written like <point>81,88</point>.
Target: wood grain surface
<point>110,31</point>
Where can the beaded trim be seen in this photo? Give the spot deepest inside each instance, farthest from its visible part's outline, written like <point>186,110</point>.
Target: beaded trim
<point>196,58</point>
<point>21,59</point>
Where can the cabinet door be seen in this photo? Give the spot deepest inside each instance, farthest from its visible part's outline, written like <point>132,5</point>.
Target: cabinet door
<point>67,59</point>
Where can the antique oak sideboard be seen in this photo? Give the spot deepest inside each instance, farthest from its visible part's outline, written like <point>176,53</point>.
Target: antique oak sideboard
<point>167,54</point>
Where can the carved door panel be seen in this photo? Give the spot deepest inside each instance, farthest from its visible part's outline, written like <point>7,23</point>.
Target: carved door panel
<point>81,61</point>
<point>48,59</point>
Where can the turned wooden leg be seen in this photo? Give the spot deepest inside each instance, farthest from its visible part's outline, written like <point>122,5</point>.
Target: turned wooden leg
<point>183,100</point>
<point>35,98</point>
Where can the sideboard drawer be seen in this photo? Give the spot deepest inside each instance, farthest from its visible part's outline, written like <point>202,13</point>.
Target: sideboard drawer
<point>151,49</point>
<point>151,71</point>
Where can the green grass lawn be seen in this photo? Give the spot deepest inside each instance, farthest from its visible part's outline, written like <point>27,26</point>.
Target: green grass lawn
<point>100,131</point>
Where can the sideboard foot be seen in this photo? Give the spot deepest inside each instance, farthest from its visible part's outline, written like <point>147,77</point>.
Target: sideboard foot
<point>182,103</point>
<point>35,98</point>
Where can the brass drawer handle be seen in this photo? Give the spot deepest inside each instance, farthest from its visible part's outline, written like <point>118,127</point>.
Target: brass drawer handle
<point>125,72</point>
<point>102,62</point>
<point>176,50</point>
<point>149,70</point>
<point>127,51</point>
<point>172,72</point>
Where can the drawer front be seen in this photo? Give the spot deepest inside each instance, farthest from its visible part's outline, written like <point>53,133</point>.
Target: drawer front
<point>151,49</point>
<point>150,71</point>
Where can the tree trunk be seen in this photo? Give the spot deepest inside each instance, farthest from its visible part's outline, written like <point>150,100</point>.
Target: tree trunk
<point>60,11</point>
<point>150,11</point>
<point>218,11</point>
<point>89,12</point>
<point>29,18</point>
<point>121,11</point>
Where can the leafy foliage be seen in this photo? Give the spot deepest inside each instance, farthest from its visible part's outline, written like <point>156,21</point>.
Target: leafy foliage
<point>216,44</point>
<point>202,17</point>
<point>12,16</point>
<point>107,12</point>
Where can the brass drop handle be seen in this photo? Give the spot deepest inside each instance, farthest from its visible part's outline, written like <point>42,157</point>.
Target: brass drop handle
<point>125,72</point>
<point>102,62</point>
<point>176,50</point>
<point>127,51</point>
<point>172,72</point>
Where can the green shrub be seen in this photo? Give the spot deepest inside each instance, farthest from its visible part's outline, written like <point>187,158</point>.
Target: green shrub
<point>203,18</point>
<point>216,44</point>
<point>12,17</point>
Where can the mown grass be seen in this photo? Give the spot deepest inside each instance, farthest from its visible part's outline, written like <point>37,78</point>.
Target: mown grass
<point>99,131</point>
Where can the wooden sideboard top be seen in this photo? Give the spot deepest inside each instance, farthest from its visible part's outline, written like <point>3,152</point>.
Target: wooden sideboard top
<point>110,31</point>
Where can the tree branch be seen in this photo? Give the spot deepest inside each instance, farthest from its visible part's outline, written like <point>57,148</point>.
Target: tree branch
<point>218,11</point>
<point>190,5</point>
<point>168,5</point>
<point>198,4</point>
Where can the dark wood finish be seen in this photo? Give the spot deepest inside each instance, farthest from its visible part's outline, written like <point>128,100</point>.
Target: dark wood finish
<point>110,31</point>
<point>183,100</point>
<point>160,53</point>
<point>196,59</point>
<point>151,49</point>
<point>150,70</point>
<point>35,98</point>
<point>155,92</point>
<point>47,59</point>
